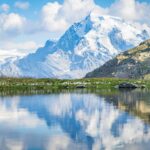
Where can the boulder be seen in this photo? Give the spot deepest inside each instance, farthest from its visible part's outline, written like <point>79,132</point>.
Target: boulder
<point>80,86</point>
<point>143,86</point>
<point>128,86</point>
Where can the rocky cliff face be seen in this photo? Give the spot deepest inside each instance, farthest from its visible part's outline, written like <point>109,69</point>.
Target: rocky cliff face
<point>134,63</point>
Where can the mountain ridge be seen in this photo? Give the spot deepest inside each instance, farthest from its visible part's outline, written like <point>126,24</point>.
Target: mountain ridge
<point>133,63</point>
<point>85,46</point>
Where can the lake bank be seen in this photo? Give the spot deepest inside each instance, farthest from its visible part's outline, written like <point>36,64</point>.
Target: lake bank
<point>52,84</point>
<point>17,86</point>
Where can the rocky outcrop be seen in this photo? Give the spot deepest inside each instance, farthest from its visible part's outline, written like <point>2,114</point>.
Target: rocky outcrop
<point>134,63</point>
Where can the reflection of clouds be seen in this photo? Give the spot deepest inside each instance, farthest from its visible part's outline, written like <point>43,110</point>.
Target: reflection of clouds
<point>63,142</point>
<point>14,145</point>
<point>134,131</point>
<point>59,142</point>
<point>85,115</point>
<point>91,119</point>
<point>11,115</point>
<point>98,124</point>
<point>97,118</point>
<point>89,101</point>
<point>61,105</point>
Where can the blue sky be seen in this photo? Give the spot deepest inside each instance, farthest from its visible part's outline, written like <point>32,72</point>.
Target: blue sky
<point>107,3</point>
<point>39,3</point>
<point>27,24</point>
<point>36,5</point>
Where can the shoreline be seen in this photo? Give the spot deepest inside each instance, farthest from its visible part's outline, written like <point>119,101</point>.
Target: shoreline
<point>51,84</point>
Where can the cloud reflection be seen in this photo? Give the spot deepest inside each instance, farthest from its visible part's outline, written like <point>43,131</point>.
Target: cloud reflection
<point>73,121</point>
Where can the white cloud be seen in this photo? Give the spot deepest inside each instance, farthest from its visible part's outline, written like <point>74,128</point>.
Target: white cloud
<point>76,10</point>
<point>5,54</point>
<point>22,5</point>
<point>143,12</point>
<point>57,17</point>
<point>14,36</point>
<point>131,10</point>
<point>24,46</point>
<point>12,144</point>
<point>11,23</point>
<point>50,18</point>
<point>123,8</point>
<point>5,7</point>
<point>12,49</point>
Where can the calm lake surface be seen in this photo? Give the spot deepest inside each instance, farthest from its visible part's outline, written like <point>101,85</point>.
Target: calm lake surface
<point>77,120</point>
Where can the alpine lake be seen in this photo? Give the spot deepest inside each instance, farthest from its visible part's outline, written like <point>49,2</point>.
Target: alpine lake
<point>74,119</point>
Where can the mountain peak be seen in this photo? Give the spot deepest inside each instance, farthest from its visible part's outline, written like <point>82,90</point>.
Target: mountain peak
<point>85,46</point>
<point>49,43</point>
<point>74,34</point>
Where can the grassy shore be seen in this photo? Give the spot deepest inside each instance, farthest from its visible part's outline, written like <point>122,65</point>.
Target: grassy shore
<point>52,84</point>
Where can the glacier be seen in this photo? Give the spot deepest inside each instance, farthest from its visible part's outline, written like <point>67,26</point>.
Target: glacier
<point>85,46</point>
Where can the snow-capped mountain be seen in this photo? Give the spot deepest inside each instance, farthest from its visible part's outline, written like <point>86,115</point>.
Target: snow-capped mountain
<point>83,47</point>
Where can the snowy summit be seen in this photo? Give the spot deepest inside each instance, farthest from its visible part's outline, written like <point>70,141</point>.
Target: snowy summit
<point>85,46</point>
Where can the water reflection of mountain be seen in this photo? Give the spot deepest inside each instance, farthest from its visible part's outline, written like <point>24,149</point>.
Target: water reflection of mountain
<point>101,120</point>
<point>135,102</point>
<point>67,120</point>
